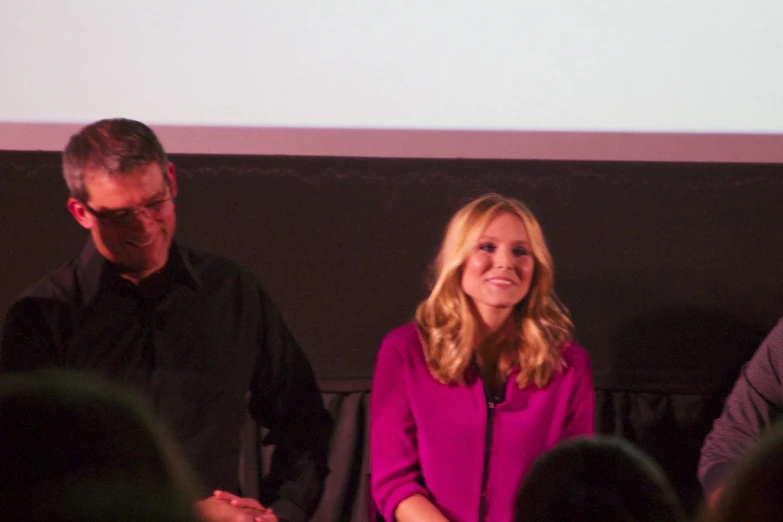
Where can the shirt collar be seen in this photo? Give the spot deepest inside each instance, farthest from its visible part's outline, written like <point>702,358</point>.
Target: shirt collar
<point>181,269</point>
<point>95,272</point>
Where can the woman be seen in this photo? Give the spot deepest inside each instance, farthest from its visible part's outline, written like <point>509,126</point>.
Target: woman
<point>483,381</point>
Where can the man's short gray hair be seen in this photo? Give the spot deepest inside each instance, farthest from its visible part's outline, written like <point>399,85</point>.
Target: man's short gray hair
<point>114,146</point>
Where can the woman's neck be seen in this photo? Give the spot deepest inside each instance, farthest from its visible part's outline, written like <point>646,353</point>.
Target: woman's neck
<point>490,319</point>
<point>493,347</point>
<point>489,335</point>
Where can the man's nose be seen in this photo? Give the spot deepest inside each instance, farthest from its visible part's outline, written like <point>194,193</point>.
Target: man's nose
<point>141,219</point>
<point>138,212</point>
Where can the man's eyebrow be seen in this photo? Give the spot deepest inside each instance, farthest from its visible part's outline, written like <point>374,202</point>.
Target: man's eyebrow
<point>161,194</point>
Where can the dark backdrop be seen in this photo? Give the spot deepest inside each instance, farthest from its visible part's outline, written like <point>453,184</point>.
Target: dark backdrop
<point>671,271</point>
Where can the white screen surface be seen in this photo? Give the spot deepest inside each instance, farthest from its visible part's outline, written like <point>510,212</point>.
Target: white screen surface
<point>694,80</point>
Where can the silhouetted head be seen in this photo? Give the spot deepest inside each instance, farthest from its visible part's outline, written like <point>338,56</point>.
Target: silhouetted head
<point>603,479</point>
<point>74,447</point>
<point>754,490</point>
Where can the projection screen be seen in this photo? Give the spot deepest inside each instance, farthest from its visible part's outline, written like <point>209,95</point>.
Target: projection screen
<point>687,80</point>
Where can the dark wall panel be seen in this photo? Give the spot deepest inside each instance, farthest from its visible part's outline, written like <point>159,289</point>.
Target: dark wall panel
<point>672,271</point>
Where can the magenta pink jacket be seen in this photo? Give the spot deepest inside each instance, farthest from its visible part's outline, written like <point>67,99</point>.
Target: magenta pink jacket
<point>430,438</point>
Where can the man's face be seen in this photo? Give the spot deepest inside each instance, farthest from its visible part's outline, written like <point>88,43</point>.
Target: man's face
<point>131,217</point>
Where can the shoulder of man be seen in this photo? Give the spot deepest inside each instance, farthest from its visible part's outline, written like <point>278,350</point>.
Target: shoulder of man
<point>58,285</point>
<point>211,267</point>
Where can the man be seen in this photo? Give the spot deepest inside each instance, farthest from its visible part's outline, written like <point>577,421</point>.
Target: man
<point>754,405</point>
<point>194,332</point>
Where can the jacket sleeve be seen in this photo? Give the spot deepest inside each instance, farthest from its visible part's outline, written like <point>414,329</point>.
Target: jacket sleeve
<point>581,418</point>
<point>753,406</point>
<point>285,399</point>
<point>394,462</point>
<point>26,342</point>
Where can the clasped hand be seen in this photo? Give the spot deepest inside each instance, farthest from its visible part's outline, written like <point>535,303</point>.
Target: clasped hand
<point>223,506</point>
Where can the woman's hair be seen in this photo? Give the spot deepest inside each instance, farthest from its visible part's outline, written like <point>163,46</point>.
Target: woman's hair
<point>753,490</point>
<point>603,479</point>
<point>447,320</point>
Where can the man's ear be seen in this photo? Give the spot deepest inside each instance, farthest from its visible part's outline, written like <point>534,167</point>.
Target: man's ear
<point>171,173</point>
<point>79,213</point>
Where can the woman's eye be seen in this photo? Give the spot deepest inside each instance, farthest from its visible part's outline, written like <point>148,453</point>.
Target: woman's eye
<point>487,247</point>
<point>519,252</point>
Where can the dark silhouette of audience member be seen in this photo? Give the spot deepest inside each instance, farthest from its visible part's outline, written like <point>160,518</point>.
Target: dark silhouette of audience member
<point>76,448</point>
<point>604,479</point>
<point>752,492</point>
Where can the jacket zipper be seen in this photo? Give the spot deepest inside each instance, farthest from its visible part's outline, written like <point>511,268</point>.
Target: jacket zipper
<point>487,448</point>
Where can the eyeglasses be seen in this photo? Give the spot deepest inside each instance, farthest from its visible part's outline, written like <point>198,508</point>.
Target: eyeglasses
<point>124,216</point>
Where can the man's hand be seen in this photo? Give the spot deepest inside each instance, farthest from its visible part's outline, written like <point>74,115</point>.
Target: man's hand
<point>223,506</point>
<point>712,501</point>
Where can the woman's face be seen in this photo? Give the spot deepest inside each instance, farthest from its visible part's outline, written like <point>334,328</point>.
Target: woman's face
<point>498,273</point>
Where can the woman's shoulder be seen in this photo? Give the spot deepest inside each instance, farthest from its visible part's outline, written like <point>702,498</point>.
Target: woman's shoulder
<point>575,356</point>
<point>403,338</point>
<point>401,348</point>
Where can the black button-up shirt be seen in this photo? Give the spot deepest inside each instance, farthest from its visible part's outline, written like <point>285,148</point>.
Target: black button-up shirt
<point>197,351</point>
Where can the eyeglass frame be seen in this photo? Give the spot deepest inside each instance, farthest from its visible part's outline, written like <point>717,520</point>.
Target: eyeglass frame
<point>125,215</point>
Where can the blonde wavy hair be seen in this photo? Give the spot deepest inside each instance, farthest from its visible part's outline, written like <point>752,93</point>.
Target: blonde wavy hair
<point>447,320</point>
